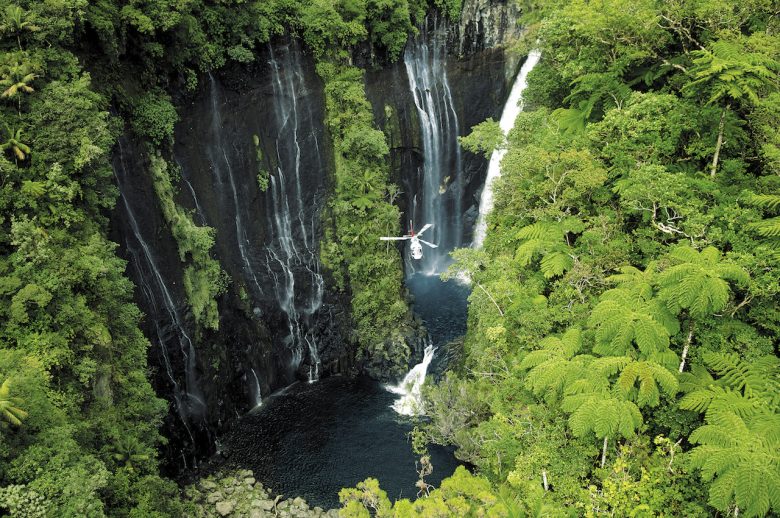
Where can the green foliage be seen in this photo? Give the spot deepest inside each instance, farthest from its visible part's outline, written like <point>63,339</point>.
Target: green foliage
<point>698,282</point>
<point>204,280</point>
<point>360,212</point>
<point>72,357</point>
<point>154,117</point>
<point>621,265</point>
<point>10,412</point>
<point>738,444</point>
<point>263,176</point>
<point>728,69</point>
<point>462,494</point>
<point>484,138</point>
<point>550,240</point>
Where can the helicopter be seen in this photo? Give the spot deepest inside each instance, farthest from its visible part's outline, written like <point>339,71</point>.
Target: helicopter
<point>414,245</point>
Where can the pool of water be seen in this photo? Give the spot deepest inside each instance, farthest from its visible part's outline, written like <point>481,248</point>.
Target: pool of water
<point>313,439</point>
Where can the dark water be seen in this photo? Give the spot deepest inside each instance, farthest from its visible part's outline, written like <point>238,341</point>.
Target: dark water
<point>441,305</point>
<point>314,439</point>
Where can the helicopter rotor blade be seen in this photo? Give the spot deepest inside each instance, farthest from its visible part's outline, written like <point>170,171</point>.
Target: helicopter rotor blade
<point>426,227</point>
<point>429,244</point>
<point>394,238</point>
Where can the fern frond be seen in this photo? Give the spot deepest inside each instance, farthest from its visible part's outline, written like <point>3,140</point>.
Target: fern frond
<point>540,230</point>
<point>766,201</point>
<point>769,227</point>
<point>555,263</point>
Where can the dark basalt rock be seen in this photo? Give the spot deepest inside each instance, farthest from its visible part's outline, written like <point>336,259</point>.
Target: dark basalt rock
<point>253,327</point>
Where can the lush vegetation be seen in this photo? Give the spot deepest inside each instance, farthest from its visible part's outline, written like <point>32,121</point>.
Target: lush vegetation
<point>622,352</point>
<point>78,418</point>
<point>622,348</point>
<point>361,210</point>
<point>79,432</point>
<point>204,280</point>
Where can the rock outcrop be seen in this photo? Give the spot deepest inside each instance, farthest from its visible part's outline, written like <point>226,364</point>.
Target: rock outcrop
<point>239,495</point>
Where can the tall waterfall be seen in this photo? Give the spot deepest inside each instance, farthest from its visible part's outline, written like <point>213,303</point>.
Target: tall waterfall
<point>441,196</point>
<point>512,109</point>
<point>167,319</point>
<point>292,255</point>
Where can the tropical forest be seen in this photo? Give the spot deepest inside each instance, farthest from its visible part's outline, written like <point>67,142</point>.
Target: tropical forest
<point>389,258</point>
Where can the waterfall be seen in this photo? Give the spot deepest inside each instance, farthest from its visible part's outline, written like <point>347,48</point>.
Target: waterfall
<point>512,109</point>
<point>257,392</point>
<point>198,209</point>
<point>222,168</point>
<point>441,179</point>
<point>292,255</point>
<point>189,399</point>
<point>410,389</point>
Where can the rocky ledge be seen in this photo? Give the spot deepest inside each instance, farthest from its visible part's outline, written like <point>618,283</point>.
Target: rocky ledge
<point>239,495</point>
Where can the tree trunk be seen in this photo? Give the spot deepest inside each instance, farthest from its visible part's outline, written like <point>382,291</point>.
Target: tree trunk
<point>686,347</point>
<point>604,452</point>
<point>719,143</point>
<point>500,312</point>
<point>544,480</point>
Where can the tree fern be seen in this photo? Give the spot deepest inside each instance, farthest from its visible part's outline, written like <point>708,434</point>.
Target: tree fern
<point>651,378</point>
<point>553,367</point>
<point>635,280</point>
<point>548,240</point>
<point>769,227</point>
<point>739,443</point>
<point>603,415</point>
<point>10,413</point>
<point>628,323</point>
<point>759,378</point>
<point>698,282</point>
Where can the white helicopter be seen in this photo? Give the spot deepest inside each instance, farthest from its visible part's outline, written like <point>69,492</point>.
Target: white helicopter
<point>414,245</point>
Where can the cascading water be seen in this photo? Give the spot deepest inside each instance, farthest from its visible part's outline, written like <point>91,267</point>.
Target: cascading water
<point>189,399</point>
<point>291,256</point>
<point>198,209</point>
<point>223,171</point>
<point>410,389</point>
<point>441,182</point>
<point>257,392</point>
<point>512,109</point>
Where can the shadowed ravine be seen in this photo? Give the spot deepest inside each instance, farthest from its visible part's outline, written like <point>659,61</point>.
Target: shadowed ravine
<point>310,440</point>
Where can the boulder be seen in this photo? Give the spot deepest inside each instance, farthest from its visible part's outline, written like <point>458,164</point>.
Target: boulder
<point>214,497</point>
<point>265,505</point>
<point>207,485</point>
<point>224,508</point>
<point>249,481</point>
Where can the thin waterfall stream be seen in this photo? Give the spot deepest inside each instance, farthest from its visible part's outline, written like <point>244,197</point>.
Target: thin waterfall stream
<point>293,251</point>
<point>224,171</point>
<point>188,399</point>
<point>512,109</point>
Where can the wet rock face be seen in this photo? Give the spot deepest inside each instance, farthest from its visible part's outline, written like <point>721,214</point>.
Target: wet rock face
<point>484,24</point>
<point>278,321</point>
<point>252,146</point>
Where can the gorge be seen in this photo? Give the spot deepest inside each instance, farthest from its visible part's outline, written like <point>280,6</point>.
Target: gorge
<point>253,159</point>
<point>206,308</point>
